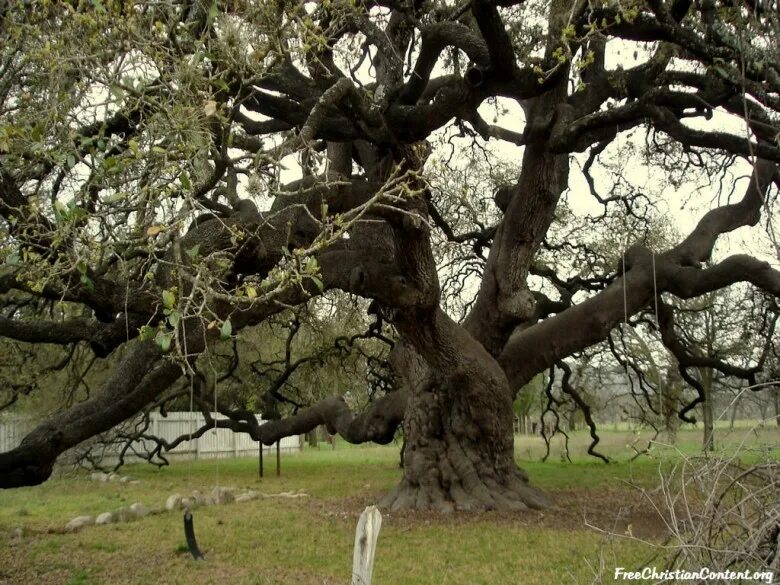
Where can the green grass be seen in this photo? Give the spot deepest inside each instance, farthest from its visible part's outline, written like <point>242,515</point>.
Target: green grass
<point>80,578</point>
<point>309,540</point>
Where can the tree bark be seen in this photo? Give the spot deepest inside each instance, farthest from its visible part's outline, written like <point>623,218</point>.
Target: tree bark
<point>708,443</point>
<point>734,410</point>
<point>312,438</point>
<point>459,440</point>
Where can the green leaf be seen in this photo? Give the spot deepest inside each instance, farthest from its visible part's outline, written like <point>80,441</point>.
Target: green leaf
<point>81,266</point>
<point>5,142</point>
<point>169,299</point>
<point>146,333</point>
<point>71,162</point>
<point>213,11</point>
<point>193,252</point>
<point>87,282</point>
<point>116,91</point>
<point>174,318</point>
<point>163,340</point>
<point>226,330</point>
<point>221,84</point>
<point>319,283</point>
<point>115,197</point>
<point>185,181</point>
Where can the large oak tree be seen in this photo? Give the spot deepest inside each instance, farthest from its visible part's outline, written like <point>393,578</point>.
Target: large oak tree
<point>137,139</point>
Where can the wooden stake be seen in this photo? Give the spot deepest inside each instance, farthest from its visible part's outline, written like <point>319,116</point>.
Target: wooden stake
<point>365,546</point>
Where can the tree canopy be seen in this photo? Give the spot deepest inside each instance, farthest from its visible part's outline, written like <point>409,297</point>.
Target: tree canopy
<point>175,173</point>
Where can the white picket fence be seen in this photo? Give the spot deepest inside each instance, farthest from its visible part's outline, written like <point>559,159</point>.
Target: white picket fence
<point>215,443</point>
<point>13,430</point>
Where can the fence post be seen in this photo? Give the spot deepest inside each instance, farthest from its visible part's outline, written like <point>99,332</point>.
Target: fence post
<point>365,546</point>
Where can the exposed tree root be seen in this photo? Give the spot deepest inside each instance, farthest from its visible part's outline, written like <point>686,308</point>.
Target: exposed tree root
<point>467,494</point>
<point>444,476</point>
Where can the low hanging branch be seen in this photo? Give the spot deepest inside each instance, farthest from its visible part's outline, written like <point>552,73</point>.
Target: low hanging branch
<point>584,407</point>
<point>551,407</point>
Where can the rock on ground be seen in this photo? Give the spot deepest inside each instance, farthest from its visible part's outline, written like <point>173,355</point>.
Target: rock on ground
<point>292,495</point>
<point>139,510</point>
<point>173,502</point>
<point>222,495</point>
<point>200,499</point>
<point>247,496</point>
<point>124,515</point>
<point>105,518</point>
<point>78,523</point>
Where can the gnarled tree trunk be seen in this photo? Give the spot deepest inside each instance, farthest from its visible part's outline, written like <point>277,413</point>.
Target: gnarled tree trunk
<point>459,440</point>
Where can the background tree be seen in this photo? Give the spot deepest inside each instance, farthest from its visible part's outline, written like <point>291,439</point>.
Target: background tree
<point>188,170</point>
<point>721,330</point>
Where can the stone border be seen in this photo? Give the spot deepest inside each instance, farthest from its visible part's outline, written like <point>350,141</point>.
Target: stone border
<point>101,477</point>
<point>218,496</point>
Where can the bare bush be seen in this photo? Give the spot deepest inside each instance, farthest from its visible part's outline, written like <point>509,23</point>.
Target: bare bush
<point>721,513</point>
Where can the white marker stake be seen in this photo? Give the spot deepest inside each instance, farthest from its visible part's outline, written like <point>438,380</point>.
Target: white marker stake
<point>365,546</point>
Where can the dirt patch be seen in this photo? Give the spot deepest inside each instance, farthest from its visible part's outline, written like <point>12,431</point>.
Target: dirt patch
<point>617,511</point>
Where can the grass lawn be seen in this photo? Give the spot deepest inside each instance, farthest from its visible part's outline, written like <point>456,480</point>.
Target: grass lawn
<point>309,540</point>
